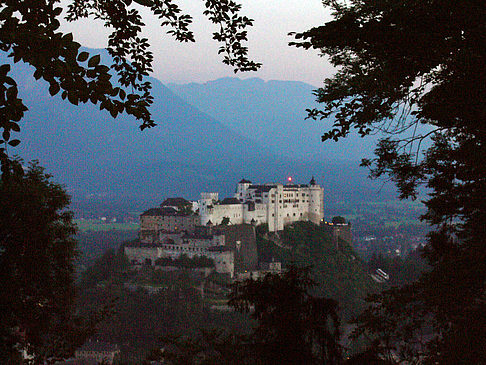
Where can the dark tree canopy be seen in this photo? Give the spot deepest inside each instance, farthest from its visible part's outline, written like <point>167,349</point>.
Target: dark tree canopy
<point>36,265</point>
<point>294,327</point>
<point>402,64</point>
<point>30,33</point>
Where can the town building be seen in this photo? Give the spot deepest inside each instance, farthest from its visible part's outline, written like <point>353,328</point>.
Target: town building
<point>100,352</point>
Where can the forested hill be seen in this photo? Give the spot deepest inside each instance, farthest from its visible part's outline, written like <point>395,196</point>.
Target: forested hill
<point>339,271</point>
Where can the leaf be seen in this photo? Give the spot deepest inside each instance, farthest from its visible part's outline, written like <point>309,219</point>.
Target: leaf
<point>73,99</point>
<point>54,89</point>
<point>94,61</point>
<point>83,56</point>
<point>15,127</point>
<point>14,142</point>
<point>4,69</point>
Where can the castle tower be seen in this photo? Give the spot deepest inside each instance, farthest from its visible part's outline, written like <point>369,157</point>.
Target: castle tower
<point>316,204</point>
<point>206,204</point>
<point>242,189</point>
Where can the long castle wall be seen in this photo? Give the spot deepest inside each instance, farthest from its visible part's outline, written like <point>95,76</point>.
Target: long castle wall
<point>224,261</point>
<point>277,205</point>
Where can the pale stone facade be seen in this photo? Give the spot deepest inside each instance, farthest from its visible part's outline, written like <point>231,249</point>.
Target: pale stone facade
<point>222,257</point>
<point>160,237</point>
<point>274,204</point>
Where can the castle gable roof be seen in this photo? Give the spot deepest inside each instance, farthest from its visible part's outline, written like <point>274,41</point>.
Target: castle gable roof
<point>164,211</point>
<point>175,202</point>
<point>229,201</point>
<point>262,188</point>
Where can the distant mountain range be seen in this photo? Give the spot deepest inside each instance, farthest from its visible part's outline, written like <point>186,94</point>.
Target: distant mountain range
<point>273,113</point>
<point>188,152</point>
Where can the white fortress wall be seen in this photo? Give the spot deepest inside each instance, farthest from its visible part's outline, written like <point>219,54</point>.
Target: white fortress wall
<point>275,204</point>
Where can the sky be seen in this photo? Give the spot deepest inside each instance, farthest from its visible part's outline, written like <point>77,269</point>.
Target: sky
<point>199,62</point>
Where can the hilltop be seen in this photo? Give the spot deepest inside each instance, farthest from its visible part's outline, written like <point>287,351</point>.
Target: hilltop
<point>339,271</point>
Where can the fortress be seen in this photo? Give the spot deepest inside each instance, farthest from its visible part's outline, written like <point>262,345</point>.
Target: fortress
<point>274,204</point>
<point>223,231</point>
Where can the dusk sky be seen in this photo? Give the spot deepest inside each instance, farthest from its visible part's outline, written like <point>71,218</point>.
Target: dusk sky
<point>199,62</point>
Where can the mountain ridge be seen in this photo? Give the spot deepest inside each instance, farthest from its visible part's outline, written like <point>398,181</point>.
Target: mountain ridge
<point>188,152</point>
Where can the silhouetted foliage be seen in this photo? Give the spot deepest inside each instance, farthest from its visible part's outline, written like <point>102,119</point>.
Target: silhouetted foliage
<point>338,220</point>
<point>293,327</point>
<point>37,251</point>
<point>225,221</point>
<point>402,64</point>
<point>209,347</point>
<point>30,33</point>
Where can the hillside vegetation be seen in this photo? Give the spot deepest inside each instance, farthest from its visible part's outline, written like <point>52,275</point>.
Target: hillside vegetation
<point>147,304</point>
<point>339,271</point>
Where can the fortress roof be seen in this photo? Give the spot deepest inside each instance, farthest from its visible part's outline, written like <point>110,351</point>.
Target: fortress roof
<point>174,202</point>
<point>244,181</point>
<point>228,201</point>
<point>262,188</point>
<point>295,186</point>
<point>164,211</point>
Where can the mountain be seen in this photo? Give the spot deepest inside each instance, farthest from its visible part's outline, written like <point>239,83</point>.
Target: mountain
<point>273,114</point>
<point>186,153</point>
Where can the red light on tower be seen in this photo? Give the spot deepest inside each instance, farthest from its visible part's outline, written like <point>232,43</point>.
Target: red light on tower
<point>289,179</point>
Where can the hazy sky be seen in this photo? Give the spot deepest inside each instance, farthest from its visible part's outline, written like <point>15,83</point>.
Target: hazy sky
<point>199,62</point>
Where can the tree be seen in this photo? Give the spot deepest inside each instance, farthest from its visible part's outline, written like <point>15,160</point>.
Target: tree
<point>338,220</point>
<point>37,251</point>
<point>293,327</point>
<point>209,347</point>
<point>30,33</point>
<point>225,221</point>
<point>403,64</point>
